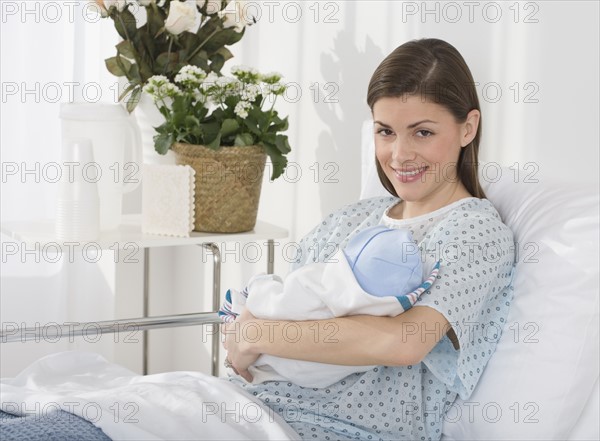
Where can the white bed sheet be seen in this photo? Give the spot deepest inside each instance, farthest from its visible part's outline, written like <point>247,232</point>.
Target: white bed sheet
<point>127,406</point>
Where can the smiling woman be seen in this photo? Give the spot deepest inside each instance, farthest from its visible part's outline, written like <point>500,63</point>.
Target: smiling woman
<point>427,129</point>
<point>418,145</point>
<point>427,87</point>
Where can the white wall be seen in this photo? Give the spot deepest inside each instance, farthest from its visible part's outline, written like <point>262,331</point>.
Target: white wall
<point>552,62</point>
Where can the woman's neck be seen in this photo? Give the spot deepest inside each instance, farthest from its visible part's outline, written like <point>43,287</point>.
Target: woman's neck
<point>408,209</point>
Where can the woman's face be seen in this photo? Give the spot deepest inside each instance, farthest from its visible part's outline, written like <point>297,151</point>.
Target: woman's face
<point>417,144</point>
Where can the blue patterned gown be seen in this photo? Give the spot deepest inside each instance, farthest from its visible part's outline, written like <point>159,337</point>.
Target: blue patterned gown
<point>473,291</point>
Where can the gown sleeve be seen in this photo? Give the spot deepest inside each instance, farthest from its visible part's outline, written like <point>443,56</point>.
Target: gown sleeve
<point>473,291</point>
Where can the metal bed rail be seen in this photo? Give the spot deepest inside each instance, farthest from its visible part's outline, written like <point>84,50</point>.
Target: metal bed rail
<point>91,329</point>
<point>95,329</point>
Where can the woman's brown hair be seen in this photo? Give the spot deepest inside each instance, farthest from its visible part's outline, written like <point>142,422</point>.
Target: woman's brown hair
<point>435,70</point>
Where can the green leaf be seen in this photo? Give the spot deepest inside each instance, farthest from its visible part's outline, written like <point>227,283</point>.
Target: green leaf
<point>213,24</point>
<point>124,64</point>
<point>216,63</point>
<point>220,39</point>
<point>216,143</point>
<point>134,74</point>
<point>278,161</point>
<point>163,142</point>
<point>252,125</point>
<point>134,99</point>
<point>114,67</point>
<point>243,139</point>
<point>228,127</point>
<point>200,60</point>
<point>128,89</point>
<point>278,124</point>
<point>279,165</point>
<point>144,45</point>
<point>166,61</point>
<point>125,24</point>
<point>282,144</point>
<point>179,111</point>
<point>126,49</point>
<point>262,118</point>
<point>189,41</point>
<point>225,53</point>
<point>210,131</point>
<point>191,121</point>
<point>155,18</point>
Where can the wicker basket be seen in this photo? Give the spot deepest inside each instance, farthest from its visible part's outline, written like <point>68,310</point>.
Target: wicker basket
<point>228,183</point>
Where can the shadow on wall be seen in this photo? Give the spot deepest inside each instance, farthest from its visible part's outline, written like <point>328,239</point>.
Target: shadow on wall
<point>341,105</point>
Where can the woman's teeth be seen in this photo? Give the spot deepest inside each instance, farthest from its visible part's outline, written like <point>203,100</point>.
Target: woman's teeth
<point>410,173</point>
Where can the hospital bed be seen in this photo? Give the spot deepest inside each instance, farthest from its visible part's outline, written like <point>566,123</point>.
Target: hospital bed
<point>542,382</point>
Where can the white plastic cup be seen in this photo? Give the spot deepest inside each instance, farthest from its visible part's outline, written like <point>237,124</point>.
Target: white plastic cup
<point>117,153</point>
<point>78,204</point>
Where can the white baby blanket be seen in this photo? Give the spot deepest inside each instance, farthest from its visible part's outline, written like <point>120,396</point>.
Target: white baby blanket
<point>313,292</point>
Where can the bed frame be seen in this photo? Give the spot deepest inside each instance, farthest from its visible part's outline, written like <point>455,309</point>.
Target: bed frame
<point>146,323</point>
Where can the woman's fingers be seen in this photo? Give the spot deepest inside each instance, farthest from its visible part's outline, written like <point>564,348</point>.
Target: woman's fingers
<point>244,374</point>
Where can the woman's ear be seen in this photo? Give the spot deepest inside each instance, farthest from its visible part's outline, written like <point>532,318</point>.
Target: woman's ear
<point>470,127</point>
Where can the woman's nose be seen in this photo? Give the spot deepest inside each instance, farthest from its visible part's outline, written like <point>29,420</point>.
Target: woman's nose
<point>402,151</point>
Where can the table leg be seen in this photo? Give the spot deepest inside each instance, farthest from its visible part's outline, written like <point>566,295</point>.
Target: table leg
<point>270,256</point>
<point>214,249</point>
<point>146,310</point>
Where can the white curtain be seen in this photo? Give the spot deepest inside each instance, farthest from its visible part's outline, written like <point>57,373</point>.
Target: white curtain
<point>52,52</point>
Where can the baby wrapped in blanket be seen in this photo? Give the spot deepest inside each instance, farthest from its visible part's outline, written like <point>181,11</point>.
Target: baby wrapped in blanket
<point>378,273</point>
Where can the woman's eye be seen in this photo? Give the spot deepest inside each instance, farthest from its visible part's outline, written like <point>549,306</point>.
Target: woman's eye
<point>424,133</point>
<point>384,132</point>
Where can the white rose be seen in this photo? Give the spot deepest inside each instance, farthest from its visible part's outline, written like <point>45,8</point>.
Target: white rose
<point>105,5</point>
<point>212,6</point>
<point>119,4</point>
<point>236,15</point>
<point>182,17</point>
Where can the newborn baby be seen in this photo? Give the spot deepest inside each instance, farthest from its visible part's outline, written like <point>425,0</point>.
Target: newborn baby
<point>378,273</point>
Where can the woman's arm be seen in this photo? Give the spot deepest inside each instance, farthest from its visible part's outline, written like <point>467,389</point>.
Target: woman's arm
<point>354,340</point>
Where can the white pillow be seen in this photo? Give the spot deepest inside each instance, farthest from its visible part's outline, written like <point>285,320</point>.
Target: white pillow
<point>545,368</point>
<point>546,364</point>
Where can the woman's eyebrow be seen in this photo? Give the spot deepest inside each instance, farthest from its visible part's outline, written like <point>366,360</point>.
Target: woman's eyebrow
<point>410,126</point>
<point>413,125</point>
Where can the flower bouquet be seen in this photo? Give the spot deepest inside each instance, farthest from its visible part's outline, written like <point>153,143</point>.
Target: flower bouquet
<point>220,111</point>
<point>175,34</point>
<point>223,127</point>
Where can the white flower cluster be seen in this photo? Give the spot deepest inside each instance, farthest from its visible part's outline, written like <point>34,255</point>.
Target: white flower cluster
<point>214,90</point>
<point>220,88</point>
<point>190,76</point>
<point>159,87</point>
<point>241,109</point>
<point>271,77</point>
<point>246,74</point>
<point>275,88</point>
<point>249,92</point>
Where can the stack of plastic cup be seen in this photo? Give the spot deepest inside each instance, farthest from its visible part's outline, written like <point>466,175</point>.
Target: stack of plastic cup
<point>78,205</point>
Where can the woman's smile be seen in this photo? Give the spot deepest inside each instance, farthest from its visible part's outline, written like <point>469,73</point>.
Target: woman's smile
<point>410,174</point>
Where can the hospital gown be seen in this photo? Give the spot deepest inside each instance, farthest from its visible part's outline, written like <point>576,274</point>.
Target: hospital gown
<point>473,292</point>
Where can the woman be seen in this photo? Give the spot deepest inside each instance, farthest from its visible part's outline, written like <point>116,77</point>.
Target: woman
<point>427,127</point>
<point>427,130</point>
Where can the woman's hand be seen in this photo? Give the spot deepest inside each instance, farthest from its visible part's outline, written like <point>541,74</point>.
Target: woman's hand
<point>239,351</point>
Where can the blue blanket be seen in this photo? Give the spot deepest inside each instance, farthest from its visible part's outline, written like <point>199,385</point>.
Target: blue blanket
<point>56,426</point>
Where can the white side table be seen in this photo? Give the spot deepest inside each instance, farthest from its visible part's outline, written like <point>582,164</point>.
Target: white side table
<point>128,235</point>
